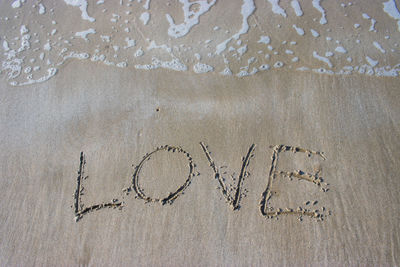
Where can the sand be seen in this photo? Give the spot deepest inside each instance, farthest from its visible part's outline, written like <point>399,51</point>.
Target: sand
<point>109,166</point>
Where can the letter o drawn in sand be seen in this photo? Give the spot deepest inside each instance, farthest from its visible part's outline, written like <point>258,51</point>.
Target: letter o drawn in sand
<point>171,196</point>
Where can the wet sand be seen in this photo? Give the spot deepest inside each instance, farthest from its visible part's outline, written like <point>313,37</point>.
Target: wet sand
<point>279,168</point>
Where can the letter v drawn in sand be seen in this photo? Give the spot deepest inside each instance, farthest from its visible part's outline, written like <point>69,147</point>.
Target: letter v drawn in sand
<point>226,190</point>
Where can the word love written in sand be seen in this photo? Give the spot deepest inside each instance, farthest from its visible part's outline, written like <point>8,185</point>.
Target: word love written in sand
<point>231,193</point>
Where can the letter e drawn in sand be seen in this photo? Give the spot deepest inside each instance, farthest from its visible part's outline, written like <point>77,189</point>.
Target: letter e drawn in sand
<point>270,212</point>
<point>172,195</point>
<point>79,207</point>
<point>233,201</point>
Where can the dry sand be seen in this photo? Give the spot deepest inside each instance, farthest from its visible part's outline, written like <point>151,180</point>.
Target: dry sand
<point>167,150</point>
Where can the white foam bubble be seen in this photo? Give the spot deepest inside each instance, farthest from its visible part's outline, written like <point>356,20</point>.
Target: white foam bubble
<point>317,5</point>
<point>379,47</point>
<point>25,44</point>
<point>174,64</point>
<point>264,67</point>
<point>74,55</point>
<point>12,64</point>
<point>146,5</point>
<point>279,64</point>
<point>388,71</point>
<point>251,60</point>
<point>242,73</point>
<point>222,46</point>
<point>139,52</point>
<point>391,9</point>
<point>85,33</point>
<point>299,30</point>
<point>341,49</point>
<point>303,68</point>
<point>145,17</point>
<point>97,57</point>
<point>122,64</point>
<point>191,17</point>
<point>23,29</point>
<point>50,73</point>
<point>105,38</point>
<point>242,50</point>
<point>6,46</point>
<point>42,9</point>
<point>323,71</point>
<point>197,56</point>
<point>16,4</point>
<point>165,47</point>
<point>82,4</point>
<point>202,68</point>
<point>366,16</point>
<point>115,18</point>
<point>296,7</point>
<point>372,27</point>
<point>371,62</point>
<point>226,72</point>
<point>314,33</point>
<point>323,59</point>
<point>329,54</point>
<point>276,8</point>
<point>247,9</point>
<point>47,46</point>
<point>129,43</point>
<point>236,43</point>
